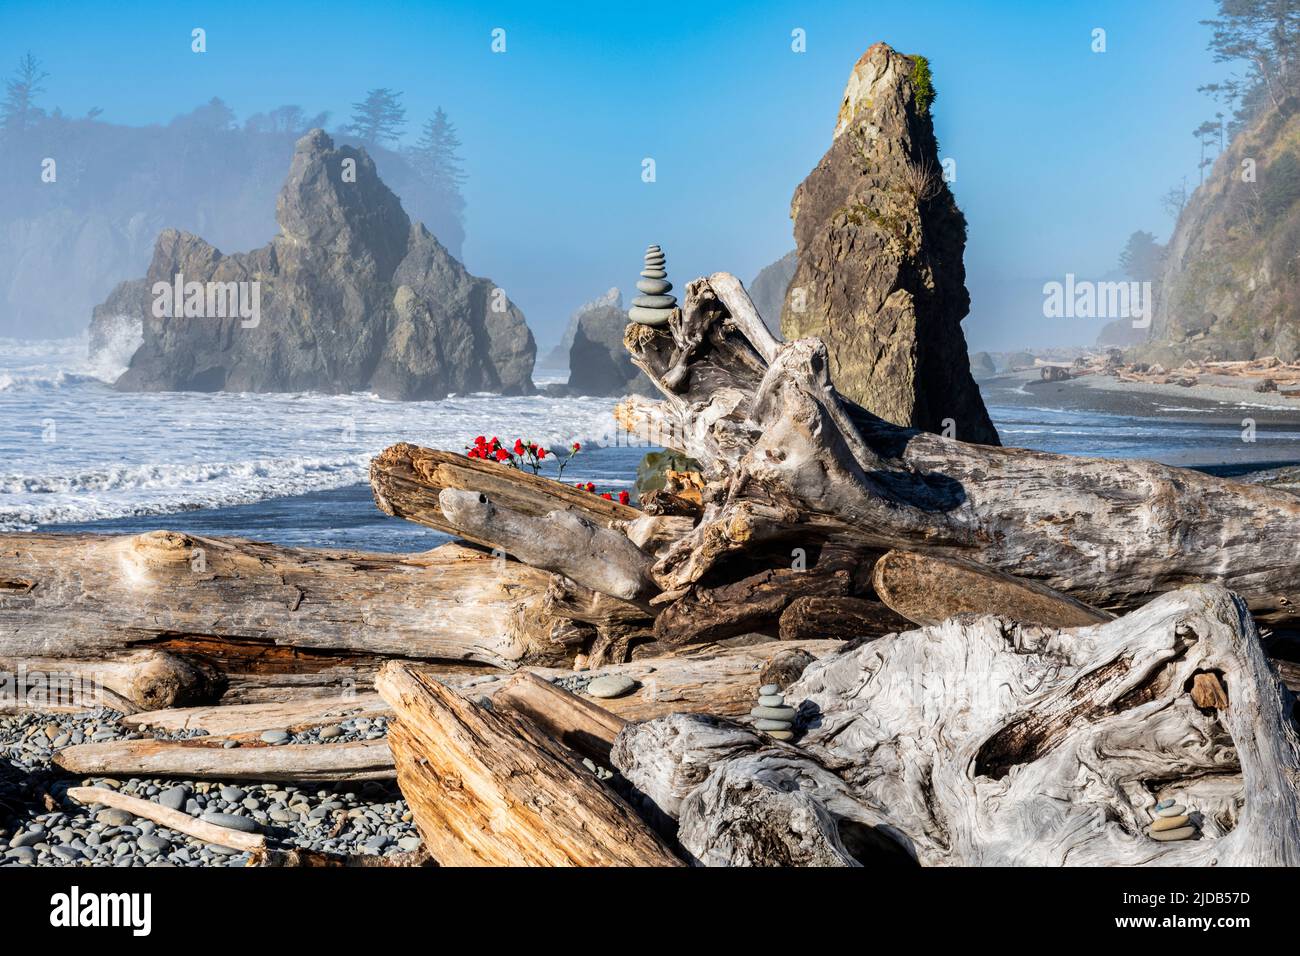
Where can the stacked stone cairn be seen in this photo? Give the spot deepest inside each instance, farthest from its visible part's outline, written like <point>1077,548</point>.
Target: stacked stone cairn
<point>1171,823</point>
<point>654,306</point>
<point>774,717</point>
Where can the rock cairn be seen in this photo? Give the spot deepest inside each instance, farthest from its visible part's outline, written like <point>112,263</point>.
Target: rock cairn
<point>654,306</point>
<point>1171,823</point>
<point>773,715</point>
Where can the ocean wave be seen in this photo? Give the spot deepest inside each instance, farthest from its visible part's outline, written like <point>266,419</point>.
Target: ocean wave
<point>154,489</point>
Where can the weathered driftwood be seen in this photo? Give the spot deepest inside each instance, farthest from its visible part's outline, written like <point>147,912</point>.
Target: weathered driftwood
<point>293,716</point>
<point>841,618</point>
<point>929,588</point>
<point>172,819</point>
<point>490,788</point>
<point>752,604</point>
<point>166,618</point>
<point>575,721</point>
<point>707,678</point>
<point>205,757</point>
<point>789,460</point>
<point>983,742</point>
<point>565,542</point>
<point>407,481</point>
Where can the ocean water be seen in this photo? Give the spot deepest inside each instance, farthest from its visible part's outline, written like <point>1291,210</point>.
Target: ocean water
<point>291,468</point>
<point>73,452</point>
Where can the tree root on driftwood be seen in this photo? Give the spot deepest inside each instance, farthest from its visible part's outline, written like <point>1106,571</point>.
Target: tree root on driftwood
<point>981,742</point>
<point>791,461</point>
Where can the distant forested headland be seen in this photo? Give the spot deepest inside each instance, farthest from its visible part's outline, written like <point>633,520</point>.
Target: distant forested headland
<point>85,197</point>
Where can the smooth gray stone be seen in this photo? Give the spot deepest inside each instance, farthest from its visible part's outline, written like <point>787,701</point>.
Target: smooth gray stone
<point>1173,810</point>
<point>230,820</point>
<point>1163,804</point>
<point>233,794</point>
<point>653,247</point>
<point>410,843</point>
<point>232,744</point>
<point>781,734</point>
<point>1172,836</point>
<point>655,257</point>
<point>654,286</point>
<point>274,736</point>
<point>653,274</point>
<point>330,732</point>
<point>34,835</point>
<point>70,854</point>
<point>772,725</point>
<point>770,689</point>
<point>654,264</point>
<point>773,713</point>
<point>23,854</point>
<point>771,700</point>
<point>646,316</point>
<point>174,798</point>
<point>377,842</point>
<point>283,815</point>
<point>152,843</point>
<point>655,301</point>
<point>114,817</point>
<point>612,685</point>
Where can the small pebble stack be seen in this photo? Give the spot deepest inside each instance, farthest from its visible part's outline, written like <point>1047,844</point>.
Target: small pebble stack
<point>654,306</point>
<point>1171,823</point>
<point>773,715</point>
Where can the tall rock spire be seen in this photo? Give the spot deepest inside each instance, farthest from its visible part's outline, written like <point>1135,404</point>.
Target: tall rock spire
<point>880,239</point>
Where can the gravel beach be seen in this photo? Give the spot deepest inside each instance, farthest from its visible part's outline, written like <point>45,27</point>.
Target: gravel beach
<point>40,826</point>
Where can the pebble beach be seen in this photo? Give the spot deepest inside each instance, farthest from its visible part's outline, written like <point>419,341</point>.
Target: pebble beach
<point>41,826</point>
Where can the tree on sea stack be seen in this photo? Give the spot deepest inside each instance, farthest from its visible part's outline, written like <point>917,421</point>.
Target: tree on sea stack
<point>880,240</point>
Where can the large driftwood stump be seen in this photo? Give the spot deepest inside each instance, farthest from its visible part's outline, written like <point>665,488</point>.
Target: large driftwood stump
<point>790,460</point>
<point>982,742</point>
<point>490,788</point>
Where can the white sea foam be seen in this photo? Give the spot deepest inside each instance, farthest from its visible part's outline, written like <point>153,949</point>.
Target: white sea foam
<point>74,450</point>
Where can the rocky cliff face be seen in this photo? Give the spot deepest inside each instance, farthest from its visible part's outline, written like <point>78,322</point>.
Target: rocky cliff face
<point>880,240</point>
<point>599,363</point>
<point>1231,284</point>
<point>558,357</point>
<point>350,295</point>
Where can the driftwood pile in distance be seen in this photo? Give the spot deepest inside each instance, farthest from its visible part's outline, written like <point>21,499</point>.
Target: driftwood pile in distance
<point>833,533</point>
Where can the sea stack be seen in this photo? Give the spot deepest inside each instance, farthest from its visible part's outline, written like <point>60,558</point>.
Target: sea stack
<point>879,271</point>
<point>654,305</point>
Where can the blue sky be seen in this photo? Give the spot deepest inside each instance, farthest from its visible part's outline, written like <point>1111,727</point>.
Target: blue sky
<point>1061,152</point>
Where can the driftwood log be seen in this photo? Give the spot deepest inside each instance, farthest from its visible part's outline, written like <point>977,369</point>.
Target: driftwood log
<point>207,758</point>
<point>172,819</point>
<point>165,619</point>
<point>791,462</point>
<point>490,788</point>
<point>982,742</point>
<point>927,589</point>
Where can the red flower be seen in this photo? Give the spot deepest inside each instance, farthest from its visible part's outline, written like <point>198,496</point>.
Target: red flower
<point>607,496</point>
<point>577,447</point>
<point>624,497</point>
<point>519,446</point>
<point>472,453</point>
<point>590,486</point>
<point>541,453</point>
<point>502,454</point>
<point>480,441</point>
